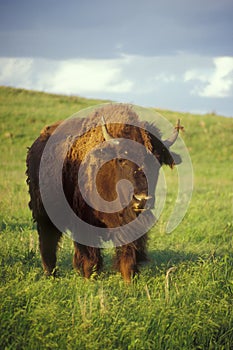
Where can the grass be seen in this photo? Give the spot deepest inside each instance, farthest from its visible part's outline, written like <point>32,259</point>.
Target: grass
<point>183,296</point>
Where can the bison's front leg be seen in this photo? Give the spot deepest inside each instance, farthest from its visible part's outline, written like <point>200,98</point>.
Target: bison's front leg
<point>49,237</point>
<point>129,256</point>
<point>126,261</point>
<point>87,259</point>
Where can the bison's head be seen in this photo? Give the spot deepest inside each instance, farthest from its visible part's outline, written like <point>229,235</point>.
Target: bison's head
<point>126,174</point>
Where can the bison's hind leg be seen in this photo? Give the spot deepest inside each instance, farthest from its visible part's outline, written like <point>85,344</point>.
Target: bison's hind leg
<point>87,260</point>
<point>49,237</point>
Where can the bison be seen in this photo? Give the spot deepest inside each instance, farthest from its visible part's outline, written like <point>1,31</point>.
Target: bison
<point>101,135</point>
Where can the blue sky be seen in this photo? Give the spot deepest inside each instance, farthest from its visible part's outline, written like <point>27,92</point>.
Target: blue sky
<point>168,54</point>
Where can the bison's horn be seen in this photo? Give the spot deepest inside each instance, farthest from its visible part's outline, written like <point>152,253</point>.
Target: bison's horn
<point>107,137</point>
<point>169,142</point>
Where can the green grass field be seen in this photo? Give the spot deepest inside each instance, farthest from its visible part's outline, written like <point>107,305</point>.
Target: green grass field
<point>183,298</point>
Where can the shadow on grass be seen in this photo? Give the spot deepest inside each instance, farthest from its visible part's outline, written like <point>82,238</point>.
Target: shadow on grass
<point>167,258</point>
<point>157,260</point>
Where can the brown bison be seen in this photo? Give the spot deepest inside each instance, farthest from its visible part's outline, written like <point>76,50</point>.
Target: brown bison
<point>99,141</point>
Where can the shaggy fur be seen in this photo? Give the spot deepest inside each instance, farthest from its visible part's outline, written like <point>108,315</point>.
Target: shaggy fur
<point>88,259</point>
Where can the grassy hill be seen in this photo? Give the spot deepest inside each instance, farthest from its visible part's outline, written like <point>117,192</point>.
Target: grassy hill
<point>183,296</point>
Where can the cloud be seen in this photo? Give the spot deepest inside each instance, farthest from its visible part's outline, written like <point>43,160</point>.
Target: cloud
<point>14,71</point>
<point>67,76</point>
<point>222,79</point>
<point>181,82</point>
<point>88,76</point>
<point>215,83</point>
<point>125,75</point>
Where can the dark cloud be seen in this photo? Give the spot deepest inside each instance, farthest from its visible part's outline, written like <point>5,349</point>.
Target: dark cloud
<point>104,29</point>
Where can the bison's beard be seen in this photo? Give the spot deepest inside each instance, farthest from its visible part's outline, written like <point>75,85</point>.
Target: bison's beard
<point>123,227</point>
<point>120,228</point>
<point>130,231</point>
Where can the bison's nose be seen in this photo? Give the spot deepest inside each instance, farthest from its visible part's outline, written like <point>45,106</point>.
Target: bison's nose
<point>143,202</point>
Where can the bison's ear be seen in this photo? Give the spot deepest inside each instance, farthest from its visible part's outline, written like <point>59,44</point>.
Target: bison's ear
<point>177,158</point>
<point>163,154</point>
<point>168,158</point>
<point>161,149</point>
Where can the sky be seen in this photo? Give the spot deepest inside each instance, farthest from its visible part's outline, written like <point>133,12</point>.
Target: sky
<point>169,54</point>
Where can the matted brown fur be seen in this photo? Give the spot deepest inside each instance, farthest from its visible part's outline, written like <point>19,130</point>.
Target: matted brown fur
<point>119,119</point>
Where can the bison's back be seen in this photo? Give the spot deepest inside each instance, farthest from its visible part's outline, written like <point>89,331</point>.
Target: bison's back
<point>85,134</point>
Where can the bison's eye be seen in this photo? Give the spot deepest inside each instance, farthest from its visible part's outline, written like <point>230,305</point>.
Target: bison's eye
<point>139,170</point>
<point>139,173</point>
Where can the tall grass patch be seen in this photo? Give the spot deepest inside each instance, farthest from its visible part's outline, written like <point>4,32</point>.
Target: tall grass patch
<point>182,298</point>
